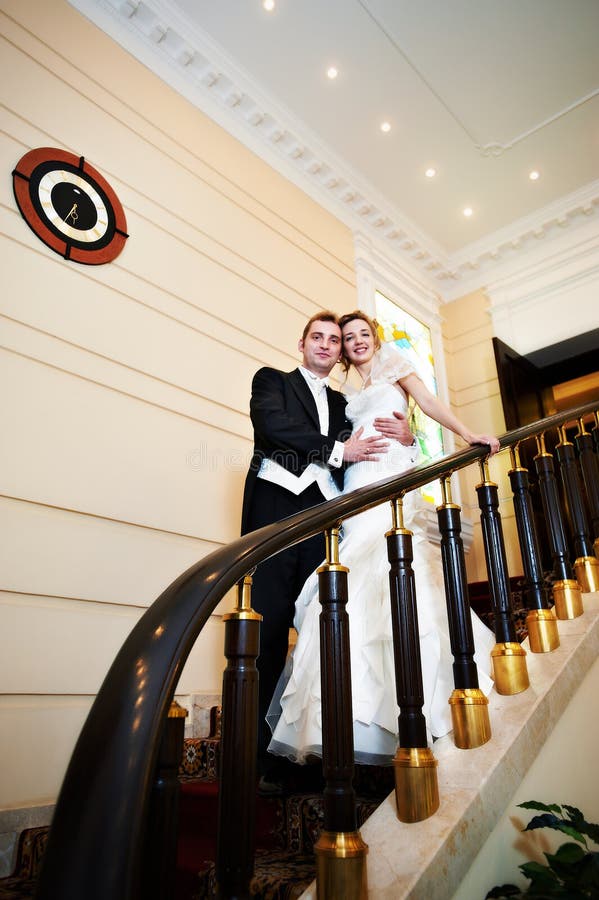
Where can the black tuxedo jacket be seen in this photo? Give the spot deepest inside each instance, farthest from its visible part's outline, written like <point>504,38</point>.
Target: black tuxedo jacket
<point>286,427</point>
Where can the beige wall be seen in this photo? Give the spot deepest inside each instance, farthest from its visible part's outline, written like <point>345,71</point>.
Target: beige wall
<point>475,398</point>
<point>124,410</point>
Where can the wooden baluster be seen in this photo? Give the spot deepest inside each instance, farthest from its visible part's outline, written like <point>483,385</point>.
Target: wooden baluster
<point>508,655</point>
<point>589,465</point>
<point>160,847</point>
<point>540,621</point>
<point>416,785</point>
<point>595,432</point>
<point>239,735</point>
<point>567,595</point>
<point>586,565</point>
<point>340,850</point>
<point>469,706</point>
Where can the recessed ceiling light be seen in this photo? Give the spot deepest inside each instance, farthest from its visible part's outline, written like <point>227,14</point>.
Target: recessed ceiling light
<point>430,173</point>
<point>533,175</point>
<point>268,5</point>
<point>386,127</point>
<point>332,72</point>
<point>467,211</point>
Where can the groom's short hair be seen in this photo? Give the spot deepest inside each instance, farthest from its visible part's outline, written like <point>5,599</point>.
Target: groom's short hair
<point>324,315</point>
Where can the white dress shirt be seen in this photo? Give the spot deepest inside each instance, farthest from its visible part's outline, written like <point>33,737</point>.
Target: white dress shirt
<point>316,471</point>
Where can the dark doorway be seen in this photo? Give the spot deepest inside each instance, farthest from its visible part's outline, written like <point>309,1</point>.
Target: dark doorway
<point>522,385</point>
<point>527,383</point>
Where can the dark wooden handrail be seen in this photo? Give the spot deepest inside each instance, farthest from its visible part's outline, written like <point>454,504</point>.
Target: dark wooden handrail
<point>94,847</point>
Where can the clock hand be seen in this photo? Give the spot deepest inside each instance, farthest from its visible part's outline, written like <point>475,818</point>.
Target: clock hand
<point>72,214</point>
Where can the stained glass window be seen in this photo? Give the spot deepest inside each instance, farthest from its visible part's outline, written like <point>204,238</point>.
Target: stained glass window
<point>414,340</point>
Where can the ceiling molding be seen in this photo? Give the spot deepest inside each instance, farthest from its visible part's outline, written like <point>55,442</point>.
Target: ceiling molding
<point>496,148</point>
<point>525,240</point>
<point>576,263</point>
<point>157,34</point>
<point>383,273</point>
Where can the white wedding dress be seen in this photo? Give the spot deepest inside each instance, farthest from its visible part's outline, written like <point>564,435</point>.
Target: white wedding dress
<point>295,712</point>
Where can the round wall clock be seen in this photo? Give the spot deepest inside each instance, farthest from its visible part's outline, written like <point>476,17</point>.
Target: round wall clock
<point>69,206</point>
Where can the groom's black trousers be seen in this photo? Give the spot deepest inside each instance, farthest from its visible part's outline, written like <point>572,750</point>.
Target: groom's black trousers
<point>276,585</point>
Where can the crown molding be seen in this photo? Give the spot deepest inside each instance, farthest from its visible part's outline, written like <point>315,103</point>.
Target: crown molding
<point>382,272</point>
<point>157,34</point>
<point>576,262</point>
<point>519,244</point>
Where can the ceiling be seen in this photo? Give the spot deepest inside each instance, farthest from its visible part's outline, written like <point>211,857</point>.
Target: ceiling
<point>483,91</point>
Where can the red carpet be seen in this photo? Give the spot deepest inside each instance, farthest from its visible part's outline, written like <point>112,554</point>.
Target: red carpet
<point>198,815</point>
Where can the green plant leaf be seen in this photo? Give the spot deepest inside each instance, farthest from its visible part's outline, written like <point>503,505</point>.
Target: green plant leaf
<point>538,874</point>
<point>566,860</point>
<point>578,821</point>
<point>542,807</point>
<point>550,821</point>
<point>567,854</point>
<point>504,890</point>
<point>588,874</point>
<point>572,872</point>
<point>558,891</point>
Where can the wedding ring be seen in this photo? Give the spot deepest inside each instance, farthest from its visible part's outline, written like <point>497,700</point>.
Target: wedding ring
<point>368,450</point>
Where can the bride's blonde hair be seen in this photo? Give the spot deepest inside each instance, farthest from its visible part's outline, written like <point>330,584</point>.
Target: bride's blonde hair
<point>372,324</point>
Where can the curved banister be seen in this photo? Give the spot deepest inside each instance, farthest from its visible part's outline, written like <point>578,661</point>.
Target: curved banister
<point>94,847</point>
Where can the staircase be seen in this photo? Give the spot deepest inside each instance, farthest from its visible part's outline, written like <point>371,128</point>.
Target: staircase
<point>472,799</point>
<point>94,853</point>
<point>287,828</point>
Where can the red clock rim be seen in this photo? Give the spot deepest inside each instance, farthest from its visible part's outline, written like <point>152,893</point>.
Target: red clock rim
<point>26,166</point>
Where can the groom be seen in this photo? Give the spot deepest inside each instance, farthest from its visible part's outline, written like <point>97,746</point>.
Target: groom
<point>302,442</point>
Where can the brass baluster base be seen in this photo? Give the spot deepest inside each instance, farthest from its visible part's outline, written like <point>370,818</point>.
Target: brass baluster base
<point>509,668</point>
<point>543,635</point>
<point>586,569</point>
<point>416,785</point>
<point>567,598</point>
<point>470,718</point>
<point>341,866</point>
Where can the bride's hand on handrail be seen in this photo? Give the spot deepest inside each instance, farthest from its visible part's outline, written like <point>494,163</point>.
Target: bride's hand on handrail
<point>489,439</point>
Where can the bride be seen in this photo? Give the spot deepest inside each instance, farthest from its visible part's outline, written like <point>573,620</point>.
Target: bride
<point>388,380</point>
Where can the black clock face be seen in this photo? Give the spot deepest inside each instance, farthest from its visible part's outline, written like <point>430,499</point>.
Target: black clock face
<point>69,206</point>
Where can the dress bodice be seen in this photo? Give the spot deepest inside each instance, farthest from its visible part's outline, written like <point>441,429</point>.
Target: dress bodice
<point>378,400</point>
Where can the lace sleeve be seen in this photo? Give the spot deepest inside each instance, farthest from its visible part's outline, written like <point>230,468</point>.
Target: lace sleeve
<point>390,364</point>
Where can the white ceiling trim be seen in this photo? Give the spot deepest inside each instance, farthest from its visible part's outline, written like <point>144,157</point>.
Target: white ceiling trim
<point>156,33</point>
<point>575,264</point>
<point>496,148</point>
<point>377,270</point>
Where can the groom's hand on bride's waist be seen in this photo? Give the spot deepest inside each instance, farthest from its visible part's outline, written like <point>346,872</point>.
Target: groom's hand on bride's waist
<point>396,428</point>
<point>359,449</point>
